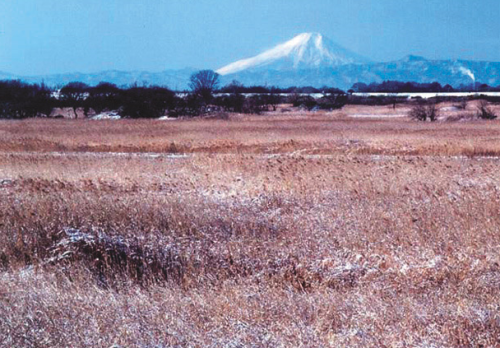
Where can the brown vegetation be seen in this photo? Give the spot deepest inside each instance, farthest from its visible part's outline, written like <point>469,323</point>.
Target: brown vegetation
<point>424,111</point>
<point>485,112</point>
<point>355,129</point>
<point>317,231</point>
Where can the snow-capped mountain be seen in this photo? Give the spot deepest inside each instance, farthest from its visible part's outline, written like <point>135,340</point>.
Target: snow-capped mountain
<point>309,59</point>
<point>304,51</point>
<point>410,68</point>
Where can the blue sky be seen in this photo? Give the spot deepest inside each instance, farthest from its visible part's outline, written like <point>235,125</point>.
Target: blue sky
<point>57,36</point>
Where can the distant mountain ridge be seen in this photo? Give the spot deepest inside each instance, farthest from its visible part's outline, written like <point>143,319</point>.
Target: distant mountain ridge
<point>174,79</point>
<point>410,68</point>
<point>308,59</point>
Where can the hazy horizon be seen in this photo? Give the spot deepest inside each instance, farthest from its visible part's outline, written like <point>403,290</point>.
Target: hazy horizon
<point>54,36</point>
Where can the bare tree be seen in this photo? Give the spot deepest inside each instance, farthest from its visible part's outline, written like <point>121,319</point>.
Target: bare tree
<point>423,111</point>
<point>484,111</point>
<point>203,83</point>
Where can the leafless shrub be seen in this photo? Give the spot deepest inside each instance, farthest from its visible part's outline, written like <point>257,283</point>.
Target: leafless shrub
<point>485,112</point>
<point>423,111</point>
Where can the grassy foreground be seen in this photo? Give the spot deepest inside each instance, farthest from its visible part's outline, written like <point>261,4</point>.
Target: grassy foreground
<point>317,231</point>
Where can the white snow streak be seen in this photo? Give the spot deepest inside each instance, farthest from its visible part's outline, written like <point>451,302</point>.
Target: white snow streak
<point>467,72</point>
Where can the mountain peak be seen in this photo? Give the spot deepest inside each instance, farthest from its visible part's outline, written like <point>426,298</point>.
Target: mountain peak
<point>304,51</point>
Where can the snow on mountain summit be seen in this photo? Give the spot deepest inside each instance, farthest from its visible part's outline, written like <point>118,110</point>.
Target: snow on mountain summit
<point>304,51</point>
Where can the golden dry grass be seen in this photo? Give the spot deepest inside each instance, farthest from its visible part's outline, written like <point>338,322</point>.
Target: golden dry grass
<point>251,240</point>
<point>306,132</point>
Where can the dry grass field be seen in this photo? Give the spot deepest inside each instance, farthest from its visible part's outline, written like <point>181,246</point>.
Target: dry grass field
<point>283,230</point>
<point>354,129</point>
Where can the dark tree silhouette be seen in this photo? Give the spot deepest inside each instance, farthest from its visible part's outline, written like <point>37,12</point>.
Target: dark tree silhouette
<point>21,100</point>
<point>104,96</point>
<point>74,92</point>
<point>203,83</point>
<point>147,102</point>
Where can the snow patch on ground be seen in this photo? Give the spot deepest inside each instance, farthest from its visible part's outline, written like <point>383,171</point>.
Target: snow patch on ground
<point>111,115</point>
<point>166,118</point>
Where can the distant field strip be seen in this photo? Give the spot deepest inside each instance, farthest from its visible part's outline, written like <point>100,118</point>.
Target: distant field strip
<point>177,156</point>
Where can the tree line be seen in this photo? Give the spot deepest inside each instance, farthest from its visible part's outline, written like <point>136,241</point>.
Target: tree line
<point>23,100</point>
<point>20,100</point>
<point>415,87</point>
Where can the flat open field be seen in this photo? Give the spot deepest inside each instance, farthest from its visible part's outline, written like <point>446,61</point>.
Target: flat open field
<point>284,230</point>
<point>353,130</point>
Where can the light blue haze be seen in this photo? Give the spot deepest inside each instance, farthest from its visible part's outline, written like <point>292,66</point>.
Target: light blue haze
<point>56,36</point>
